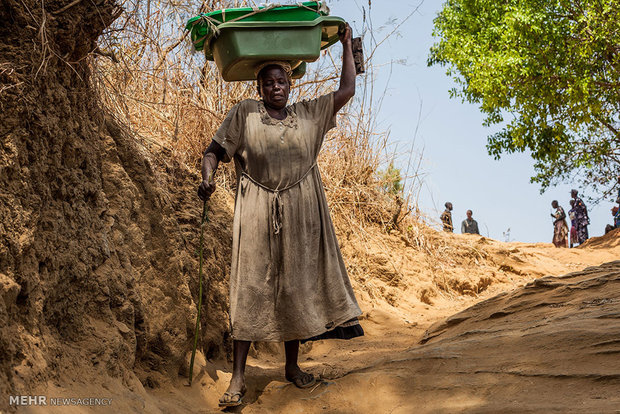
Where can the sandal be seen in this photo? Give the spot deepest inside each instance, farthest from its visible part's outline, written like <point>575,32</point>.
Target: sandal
<point>235,399</point>
<point>303,380</point>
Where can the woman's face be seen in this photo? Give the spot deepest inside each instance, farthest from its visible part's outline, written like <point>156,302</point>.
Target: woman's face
<point>274,87</point>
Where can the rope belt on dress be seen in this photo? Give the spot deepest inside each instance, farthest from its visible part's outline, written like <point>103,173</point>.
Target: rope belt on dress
<point>277,207</point>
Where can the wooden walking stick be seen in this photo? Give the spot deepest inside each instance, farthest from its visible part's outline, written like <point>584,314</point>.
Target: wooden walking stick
<point>204,219</point>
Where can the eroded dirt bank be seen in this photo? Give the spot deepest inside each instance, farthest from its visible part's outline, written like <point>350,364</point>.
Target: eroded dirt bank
<point>97,235</point>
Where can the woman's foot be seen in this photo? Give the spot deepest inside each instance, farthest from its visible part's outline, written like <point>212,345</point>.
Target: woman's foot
<point>301,379</point>
<point>233,396</point>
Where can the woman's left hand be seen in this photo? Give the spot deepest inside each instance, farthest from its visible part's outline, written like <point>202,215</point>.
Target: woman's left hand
<point>345,35</point>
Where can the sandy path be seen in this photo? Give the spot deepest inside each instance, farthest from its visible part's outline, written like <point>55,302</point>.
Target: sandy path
<point>548,346</point>
<point>552,345</point>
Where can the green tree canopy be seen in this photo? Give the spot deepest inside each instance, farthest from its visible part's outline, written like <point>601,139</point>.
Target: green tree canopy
<point>548,72</point>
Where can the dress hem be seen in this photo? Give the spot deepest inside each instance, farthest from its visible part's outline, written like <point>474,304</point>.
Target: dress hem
<point>305,337</point>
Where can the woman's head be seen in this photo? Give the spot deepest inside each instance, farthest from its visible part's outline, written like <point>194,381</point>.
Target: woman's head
<point>554,204</point>
<point>274,83</point>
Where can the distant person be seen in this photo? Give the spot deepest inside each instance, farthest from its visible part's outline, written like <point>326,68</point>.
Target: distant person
<point>572,214</point>
<point>615,212</point>
<point>446,218</point>
<point>469,225</point>
<point>560,228</point>
<point>581,217</point>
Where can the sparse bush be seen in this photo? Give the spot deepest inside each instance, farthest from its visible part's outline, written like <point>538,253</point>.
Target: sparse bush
<point>390,180</point>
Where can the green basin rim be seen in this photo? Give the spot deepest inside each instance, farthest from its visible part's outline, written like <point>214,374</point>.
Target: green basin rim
<point>323,20</point>
<point>330,20</point>
<point>239,10</point>
<point>201,30</point>
<point>309,4</point>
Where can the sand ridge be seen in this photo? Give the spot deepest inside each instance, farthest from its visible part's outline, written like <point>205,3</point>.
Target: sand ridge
<point>542,344</point>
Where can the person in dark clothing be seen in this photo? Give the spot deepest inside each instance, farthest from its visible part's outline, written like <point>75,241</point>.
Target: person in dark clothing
<point>446,218</point>
<point>573,223</point>
<point>615,212</point>
<point>581,217</point>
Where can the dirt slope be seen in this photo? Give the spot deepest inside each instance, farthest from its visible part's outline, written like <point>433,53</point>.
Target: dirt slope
<point>610,240</point>
<point>545,344</point>
<point>549,346</point>
<point>525,344</point>
<point>97,235</point>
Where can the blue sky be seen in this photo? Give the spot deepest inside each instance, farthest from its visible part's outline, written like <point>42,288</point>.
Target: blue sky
<point>451,135</point>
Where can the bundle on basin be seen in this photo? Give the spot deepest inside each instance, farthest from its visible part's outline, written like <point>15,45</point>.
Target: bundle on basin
<point>240,39</point>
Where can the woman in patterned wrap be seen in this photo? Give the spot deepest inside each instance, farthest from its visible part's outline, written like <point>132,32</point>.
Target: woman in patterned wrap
<point>288,281</point>
<point>560,228</point>
<point>581,217</point>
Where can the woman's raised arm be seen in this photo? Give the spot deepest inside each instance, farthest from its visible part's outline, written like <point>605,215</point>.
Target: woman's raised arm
<point>347,77</point>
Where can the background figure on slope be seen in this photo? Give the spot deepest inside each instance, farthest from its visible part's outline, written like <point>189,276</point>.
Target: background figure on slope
<point>560,228</point>
<point>573,223</point>
<point>581,217</point>
<point>469,225</point>
<point>615,212</point>
<point>446,218</point>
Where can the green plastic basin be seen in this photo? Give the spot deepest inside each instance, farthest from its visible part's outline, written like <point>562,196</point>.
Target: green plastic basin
<point>241,46</point>
<point>240,39</point>
<point>201,28</point>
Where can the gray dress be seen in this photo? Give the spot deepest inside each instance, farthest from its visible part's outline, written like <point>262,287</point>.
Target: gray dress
<point>288,280</point>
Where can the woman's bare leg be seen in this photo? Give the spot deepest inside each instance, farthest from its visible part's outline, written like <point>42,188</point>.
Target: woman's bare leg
<point>292,371</point>
<point>237,382</point>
